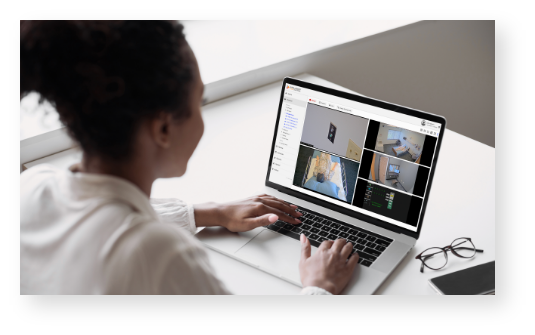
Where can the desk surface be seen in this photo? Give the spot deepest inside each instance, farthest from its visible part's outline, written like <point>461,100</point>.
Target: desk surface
<point>231,163</point>
<point>232,159</point>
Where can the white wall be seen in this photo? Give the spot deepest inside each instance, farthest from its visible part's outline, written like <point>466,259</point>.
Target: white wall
<point>316,129</point>
<point>441,67</point>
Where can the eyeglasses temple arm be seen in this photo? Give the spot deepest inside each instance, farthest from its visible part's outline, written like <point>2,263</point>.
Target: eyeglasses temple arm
<point>478,250</point>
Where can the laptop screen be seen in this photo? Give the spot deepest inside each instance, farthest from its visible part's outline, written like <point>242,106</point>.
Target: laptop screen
<point>364,158</point>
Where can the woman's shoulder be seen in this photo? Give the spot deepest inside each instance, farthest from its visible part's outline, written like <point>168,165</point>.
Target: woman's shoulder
<point>38,173</point>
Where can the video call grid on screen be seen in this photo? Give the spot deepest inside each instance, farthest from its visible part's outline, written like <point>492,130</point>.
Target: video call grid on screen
<point>409,139</point>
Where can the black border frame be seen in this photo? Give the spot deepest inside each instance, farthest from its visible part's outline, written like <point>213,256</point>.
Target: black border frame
<point>376,103</point>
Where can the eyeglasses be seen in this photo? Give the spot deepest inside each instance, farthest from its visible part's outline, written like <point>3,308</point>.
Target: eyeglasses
<point>436,258</point>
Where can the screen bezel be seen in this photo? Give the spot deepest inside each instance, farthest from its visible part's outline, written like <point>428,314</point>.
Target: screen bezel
<point>373,102</point>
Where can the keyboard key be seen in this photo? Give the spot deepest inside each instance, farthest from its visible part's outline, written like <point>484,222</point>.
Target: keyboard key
<point>313,237</point>
<point>382,242</point>
<point>343,235</point>
<point>321,239</point>
<point>333,229</point>
<point>314,230</point>
<point>359,247</point>
<point>370,238</point>
<point>323,233</point>
<point>273,227</point>
<point>366,263</point>
<point>297,230</point>
<point>289,234</point>
<point>366,256</point>
<point>314,243</point>
<point>371,245</point>
<point>372,252</point>
<point>387,239</point>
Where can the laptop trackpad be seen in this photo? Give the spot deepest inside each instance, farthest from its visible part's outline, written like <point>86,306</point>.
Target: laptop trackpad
<point>275,253</point>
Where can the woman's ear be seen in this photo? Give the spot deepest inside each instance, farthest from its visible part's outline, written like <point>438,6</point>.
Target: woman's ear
<point>161,128</point>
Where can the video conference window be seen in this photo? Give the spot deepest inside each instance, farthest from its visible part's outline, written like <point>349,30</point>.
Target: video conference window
<point>336,132</point>
<point>327,174</point>
<point>401,143</point>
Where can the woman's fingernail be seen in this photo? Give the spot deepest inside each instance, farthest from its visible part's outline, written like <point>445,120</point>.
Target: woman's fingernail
<point>273,218</point>
<point>293,206</point>
<point>298,220</point>
<point>302,238</point>
<point>299,214</point>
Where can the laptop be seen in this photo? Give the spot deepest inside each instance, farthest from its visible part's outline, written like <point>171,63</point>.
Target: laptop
<point>331,156</point>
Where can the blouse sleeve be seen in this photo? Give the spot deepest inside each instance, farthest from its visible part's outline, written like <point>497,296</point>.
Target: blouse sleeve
<point>175,211</point>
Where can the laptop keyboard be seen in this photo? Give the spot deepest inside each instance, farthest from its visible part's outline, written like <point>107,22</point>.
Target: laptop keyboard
<point>318,228</point>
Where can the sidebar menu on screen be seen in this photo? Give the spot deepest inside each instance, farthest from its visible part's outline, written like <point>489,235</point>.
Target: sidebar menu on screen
<point>288,138</point>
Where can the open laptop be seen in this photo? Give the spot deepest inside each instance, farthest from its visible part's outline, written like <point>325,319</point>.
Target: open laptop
<point>358,168</point>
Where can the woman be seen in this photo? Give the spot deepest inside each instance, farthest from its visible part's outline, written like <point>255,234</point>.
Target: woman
<point>130,94</point>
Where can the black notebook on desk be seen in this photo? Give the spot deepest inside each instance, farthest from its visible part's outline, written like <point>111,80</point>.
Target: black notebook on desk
<point>472,281</point>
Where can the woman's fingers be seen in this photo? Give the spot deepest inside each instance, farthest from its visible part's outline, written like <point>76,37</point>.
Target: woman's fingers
<point>267,196</point>
<point>282,206</point>
<point>346,250</point>
<point>353,261</point>
<point>260,221</point>
<point>265,209</point>
<point>305,248</point>
<point>338,245</point>
<point>326,245</point>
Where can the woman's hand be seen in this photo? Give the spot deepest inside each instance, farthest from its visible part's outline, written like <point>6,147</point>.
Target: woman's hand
<point>329,268</point>
<point>247,214</point>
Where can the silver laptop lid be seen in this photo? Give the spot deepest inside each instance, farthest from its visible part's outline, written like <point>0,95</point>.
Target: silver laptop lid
<point>362,157</point>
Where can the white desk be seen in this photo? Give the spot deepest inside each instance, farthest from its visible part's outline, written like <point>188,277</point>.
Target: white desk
<point>232,159</point>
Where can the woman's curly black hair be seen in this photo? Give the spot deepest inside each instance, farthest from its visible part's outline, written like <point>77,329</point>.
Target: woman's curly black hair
<point>105,77</point>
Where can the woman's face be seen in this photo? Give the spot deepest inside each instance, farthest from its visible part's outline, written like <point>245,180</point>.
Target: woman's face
<point>185,134</point>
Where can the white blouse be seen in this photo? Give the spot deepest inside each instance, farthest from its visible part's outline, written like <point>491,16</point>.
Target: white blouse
<point>86,233</point>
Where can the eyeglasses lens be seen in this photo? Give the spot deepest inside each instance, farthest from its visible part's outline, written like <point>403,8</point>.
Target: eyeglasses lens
<point>434,258</point>
<point>463,248</point>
